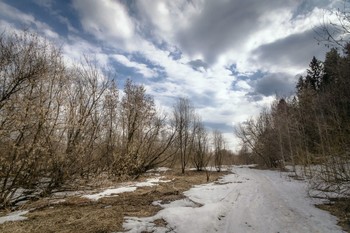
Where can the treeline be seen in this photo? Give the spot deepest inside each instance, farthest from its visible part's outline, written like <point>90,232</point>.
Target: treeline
<point>60,122</point>
<point>311,128</point>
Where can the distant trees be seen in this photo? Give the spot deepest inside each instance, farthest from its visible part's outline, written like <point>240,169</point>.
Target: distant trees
<point>192,139</point>
<point>313,126</point>
<point>244,156</point>
<point>310,128</point>
<point>261,136</point>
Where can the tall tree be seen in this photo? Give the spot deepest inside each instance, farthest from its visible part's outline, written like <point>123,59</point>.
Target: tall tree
<point>314,74</point>
<point>31,79</point>
<point>183,120</point>
<point>137,113</point>
<point>200,147</point>
<point>219,149</point>
<point>331,68</point>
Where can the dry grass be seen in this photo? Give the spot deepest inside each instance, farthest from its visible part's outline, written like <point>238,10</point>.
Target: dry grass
<point>341,209</point>
<point>77,214</point>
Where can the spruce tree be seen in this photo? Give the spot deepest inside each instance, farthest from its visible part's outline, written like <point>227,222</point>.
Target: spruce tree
<point>314,74</point>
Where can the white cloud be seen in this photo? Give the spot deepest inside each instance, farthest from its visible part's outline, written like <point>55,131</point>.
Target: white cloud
<point>44,3</point>
<point>75,48</point>
<point>163,19</point>
<point>106,20</point>
<point>13,16</point>
<point>140,67</point>
<point>243,85</point>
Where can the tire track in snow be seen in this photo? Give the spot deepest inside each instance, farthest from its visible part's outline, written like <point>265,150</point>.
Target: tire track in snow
<point>270,203</point>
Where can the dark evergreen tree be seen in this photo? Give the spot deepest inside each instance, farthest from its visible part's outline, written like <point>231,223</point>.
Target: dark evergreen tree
<point>314,74</point>
<point>331,68</point>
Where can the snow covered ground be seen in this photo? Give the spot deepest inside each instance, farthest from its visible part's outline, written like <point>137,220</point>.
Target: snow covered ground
<point>247,201</point>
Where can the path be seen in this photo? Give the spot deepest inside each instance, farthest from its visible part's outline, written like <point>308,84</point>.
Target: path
<point>270,203</point>
<point>248,201</point>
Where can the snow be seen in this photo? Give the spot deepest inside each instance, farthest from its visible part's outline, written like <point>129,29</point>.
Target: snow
<point>178,203</point>
<point>151,182</point>
<point>67,194</point>
<point>318,187</point>
<point>110,192</point>
<point>159,169</point>
<point>128,188</point>
<point>247,201</point>
<point>14,216</point>
<point>223,168</point>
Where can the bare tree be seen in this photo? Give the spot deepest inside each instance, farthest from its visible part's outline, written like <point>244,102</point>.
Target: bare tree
<point>82,120</point>
<point>31,76</point>
<point>200,147</point>
<point>183,120</point>
<point>335,33</point>
<point>146,137</point>
<point>65,123</point>
<point>20,62</point>
<point>244,156</point>
<point>110,137</point>
<point>219,149</point>
<point>260,135</point>
<point>249,133</point>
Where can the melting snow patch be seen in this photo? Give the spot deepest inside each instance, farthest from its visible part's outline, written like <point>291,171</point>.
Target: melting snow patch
<point>66,194</point>
<point>136,225</point>
<point>151,182</point>
<point>110,192</point>
<point>15,216</point>
<point>159,169</point>
<point>129,188</point>
<point>224,168</point>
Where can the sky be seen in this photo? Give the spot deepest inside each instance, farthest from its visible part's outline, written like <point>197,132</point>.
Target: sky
<point>231,58</point>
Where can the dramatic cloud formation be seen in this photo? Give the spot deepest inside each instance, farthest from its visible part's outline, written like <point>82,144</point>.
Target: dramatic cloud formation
<point>227,25</point>
<point>229,57</point>
<point>279,84</point>
<point>289,54</point>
